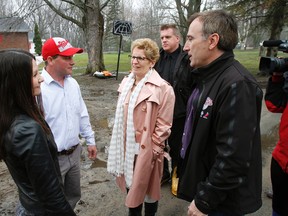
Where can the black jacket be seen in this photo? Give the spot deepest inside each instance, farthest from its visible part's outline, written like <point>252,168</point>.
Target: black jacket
<point>222,168</point>
<point>31,157</point>
<point>181,80</point>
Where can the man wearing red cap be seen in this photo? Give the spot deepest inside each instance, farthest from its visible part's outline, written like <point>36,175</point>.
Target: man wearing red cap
<point>66,113</point>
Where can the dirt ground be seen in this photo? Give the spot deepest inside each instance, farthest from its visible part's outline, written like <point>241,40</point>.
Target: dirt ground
<point>100,195</point>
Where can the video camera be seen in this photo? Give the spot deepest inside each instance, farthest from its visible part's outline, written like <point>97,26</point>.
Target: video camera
<point>269,65</point>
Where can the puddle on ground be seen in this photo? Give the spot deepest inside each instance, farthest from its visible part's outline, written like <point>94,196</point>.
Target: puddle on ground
<point>88,93</point>
<point>98,181</point>
<point>98,163</point>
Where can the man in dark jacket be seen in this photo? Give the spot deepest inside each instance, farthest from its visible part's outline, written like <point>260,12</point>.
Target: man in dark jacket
<point>174,66</point>
<point>220,169</point>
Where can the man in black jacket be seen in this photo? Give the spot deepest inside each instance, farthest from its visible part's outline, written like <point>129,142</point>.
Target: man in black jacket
<point>220,170</point>
<point>174,66</point>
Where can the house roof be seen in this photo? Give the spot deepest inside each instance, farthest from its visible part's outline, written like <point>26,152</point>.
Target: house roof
<point>13,24</point>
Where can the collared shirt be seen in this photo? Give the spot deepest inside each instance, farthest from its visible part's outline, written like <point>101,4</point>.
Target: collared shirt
<point>66,112</point>
<point>188,127</point>
<point>167,65</point>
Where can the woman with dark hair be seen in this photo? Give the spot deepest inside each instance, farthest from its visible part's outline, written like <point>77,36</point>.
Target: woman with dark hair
<point>26,143</point>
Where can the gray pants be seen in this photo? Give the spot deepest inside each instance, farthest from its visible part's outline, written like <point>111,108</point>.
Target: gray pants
<point>70,171</point>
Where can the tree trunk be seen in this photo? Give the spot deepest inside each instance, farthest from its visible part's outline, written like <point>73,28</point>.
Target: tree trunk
<point>182,9</point>
<point>93,27</point>
<point>278,13</point>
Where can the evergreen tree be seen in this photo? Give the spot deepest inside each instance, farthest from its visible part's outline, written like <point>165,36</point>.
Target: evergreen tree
<point>37,40</point>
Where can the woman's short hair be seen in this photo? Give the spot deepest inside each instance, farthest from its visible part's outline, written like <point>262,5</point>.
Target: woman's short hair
<point>149,46</point>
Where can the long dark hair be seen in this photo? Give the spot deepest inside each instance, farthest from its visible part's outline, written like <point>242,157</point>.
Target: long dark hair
<point>16,95</point>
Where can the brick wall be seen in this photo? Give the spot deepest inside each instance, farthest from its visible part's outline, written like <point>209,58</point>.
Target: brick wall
<point>14,40</point>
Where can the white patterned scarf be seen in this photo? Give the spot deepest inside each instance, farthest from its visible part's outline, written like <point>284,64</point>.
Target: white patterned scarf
<point>117,164</point>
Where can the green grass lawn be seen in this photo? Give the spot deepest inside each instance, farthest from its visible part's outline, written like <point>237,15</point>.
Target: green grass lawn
<point>110,61</point>
<point>249,58</point>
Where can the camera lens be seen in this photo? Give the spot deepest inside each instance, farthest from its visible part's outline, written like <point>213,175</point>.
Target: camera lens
<point>269,65</point>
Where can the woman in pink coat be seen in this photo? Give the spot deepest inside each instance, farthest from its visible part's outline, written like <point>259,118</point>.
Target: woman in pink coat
<point>143,120</point>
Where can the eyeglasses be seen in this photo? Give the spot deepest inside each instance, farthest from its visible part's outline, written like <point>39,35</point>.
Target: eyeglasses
<point>138,58</point>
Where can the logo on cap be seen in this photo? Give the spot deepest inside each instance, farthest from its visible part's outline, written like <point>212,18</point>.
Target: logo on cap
<point>62,44</point>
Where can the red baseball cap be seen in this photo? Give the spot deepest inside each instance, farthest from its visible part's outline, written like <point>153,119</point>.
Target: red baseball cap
<point>58,46</point>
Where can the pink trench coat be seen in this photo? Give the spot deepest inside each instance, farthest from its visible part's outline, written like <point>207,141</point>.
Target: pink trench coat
<point>153,114</point>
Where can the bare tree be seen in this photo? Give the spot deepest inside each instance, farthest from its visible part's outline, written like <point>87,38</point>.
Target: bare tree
<point>277,12</point>
<point>265,15</point>
<point>6,8</point>
<point>92,24</point>
<point>180,11</point>
<point>147,23</point>
<point>112,12</point>
<point>184,12</point>
<point>49,23</point>
<point>148,15</point>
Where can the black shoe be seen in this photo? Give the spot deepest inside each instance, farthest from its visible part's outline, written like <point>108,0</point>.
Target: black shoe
<point>165,178</point>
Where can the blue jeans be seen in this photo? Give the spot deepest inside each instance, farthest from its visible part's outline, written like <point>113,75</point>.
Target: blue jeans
<point>275,213</point>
